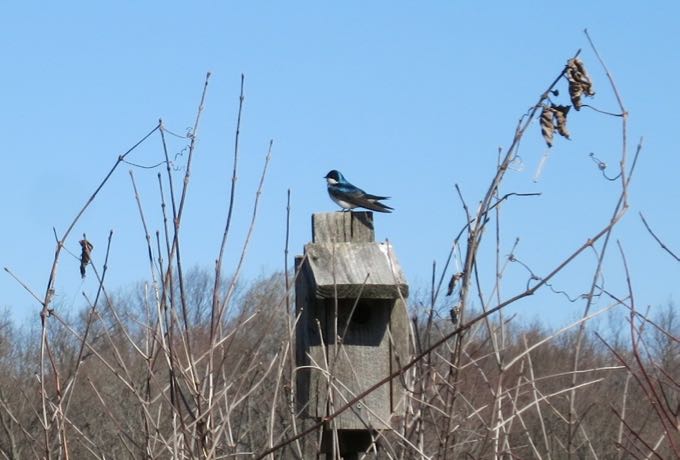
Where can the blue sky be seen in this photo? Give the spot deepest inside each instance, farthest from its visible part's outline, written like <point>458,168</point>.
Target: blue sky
<point>405,98</point>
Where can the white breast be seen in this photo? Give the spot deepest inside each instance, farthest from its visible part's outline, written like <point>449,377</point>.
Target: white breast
<point>343,204</point>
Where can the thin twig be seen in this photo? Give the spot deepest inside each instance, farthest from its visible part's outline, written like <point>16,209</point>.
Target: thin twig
<point>218,264</point>
<point>658,240</point>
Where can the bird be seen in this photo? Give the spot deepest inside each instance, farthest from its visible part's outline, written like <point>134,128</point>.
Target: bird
<point>349,196</point>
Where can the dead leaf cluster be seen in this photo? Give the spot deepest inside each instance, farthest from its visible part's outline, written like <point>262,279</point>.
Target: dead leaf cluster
<point>554,117</point>
<point>579,82</point>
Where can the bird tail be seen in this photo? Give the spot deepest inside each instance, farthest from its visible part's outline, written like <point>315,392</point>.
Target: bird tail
<point>377,206</point>
<point>368,196</point>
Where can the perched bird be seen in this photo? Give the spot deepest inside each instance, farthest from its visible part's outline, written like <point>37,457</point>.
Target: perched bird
<point>349,196</point>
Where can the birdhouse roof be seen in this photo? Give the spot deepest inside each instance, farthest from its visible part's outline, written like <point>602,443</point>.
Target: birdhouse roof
<point>368,270</point>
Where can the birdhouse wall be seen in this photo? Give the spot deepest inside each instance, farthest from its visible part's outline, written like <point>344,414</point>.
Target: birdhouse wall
<point>372,342</point>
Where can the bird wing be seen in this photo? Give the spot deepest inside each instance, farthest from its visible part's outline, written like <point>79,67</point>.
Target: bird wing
<point>365,200</point>
<point>358,197</point>
<point>374,206</point>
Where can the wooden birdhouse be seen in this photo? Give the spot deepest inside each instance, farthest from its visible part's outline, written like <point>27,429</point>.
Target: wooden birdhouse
<point>352,331</point>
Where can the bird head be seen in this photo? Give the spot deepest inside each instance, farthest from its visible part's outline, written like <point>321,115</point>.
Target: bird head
<point>334,177</point>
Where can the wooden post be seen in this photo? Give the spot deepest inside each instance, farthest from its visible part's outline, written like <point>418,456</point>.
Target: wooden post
<point>353,329</point>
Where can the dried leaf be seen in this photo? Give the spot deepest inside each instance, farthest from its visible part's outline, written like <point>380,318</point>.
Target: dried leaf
<point>455,313</point>
<point>452,283</point>
<point>560,119</point>
<point>547,126</point>
<point>575,93</point>
<point>579,82</point>
<point>85,250</point>
<point>582,75</point>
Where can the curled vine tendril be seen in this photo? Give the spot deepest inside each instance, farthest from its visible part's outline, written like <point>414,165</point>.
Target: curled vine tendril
<point>602,166</point>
